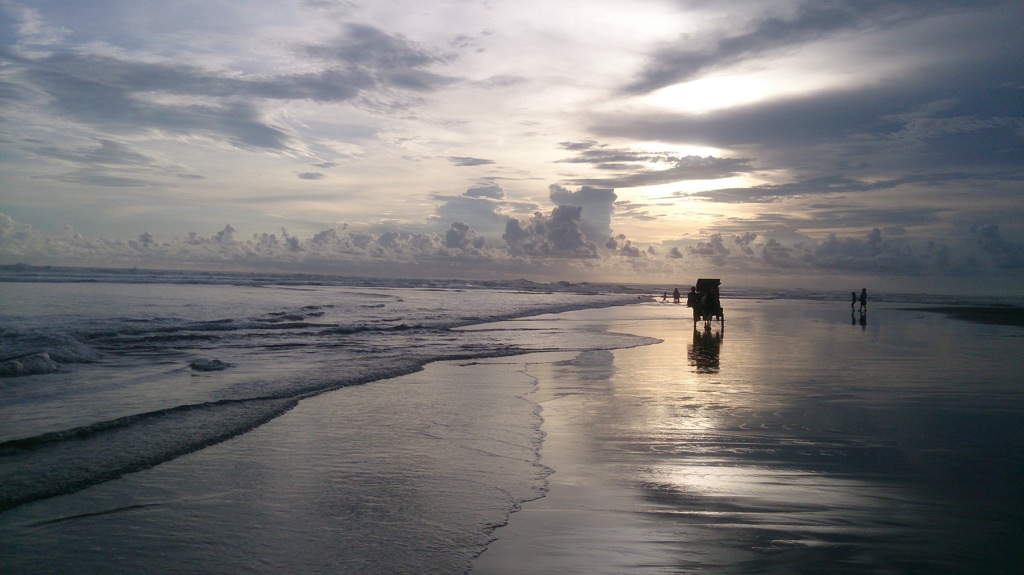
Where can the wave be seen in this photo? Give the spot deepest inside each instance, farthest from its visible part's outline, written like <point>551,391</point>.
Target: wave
<point>62,462</point>
<point>28,353</point>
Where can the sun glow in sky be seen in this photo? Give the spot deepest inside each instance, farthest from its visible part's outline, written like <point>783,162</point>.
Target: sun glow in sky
<point>602,141</point>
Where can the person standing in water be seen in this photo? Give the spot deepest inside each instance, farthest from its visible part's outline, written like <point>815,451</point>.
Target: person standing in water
<point>863,299</point>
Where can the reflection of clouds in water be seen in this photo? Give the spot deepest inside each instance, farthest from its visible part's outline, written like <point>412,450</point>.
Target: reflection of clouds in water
<point>778,509</point>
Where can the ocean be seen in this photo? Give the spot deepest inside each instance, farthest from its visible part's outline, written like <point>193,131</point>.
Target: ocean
<point>167,422</point>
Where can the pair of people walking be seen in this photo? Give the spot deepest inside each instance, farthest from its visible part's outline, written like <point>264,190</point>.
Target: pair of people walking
<point>863,299</point>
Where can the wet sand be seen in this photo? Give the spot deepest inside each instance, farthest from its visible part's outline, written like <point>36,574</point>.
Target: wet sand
<point>998,315</point>
<point>795,439</point>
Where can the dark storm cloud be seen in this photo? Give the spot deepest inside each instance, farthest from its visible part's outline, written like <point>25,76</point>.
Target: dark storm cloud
<point>810,21</point>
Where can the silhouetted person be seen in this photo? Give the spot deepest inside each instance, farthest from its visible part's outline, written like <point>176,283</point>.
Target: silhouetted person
<point>853,301</point>
<point>691,298</point>
<point>675,295</point>
<point>664,296</point>
<point>864,299</point>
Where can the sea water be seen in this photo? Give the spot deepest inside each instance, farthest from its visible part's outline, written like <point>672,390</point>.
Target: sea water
<point>140,426</point>
<point>109,372</point>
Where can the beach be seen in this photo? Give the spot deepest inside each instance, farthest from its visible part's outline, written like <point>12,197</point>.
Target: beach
<point>786,441</point>
<point>796,437</point>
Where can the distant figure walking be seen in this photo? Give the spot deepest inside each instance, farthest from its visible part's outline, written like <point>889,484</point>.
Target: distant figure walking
<point>675,295</point>
<point>853,303</point>
<point>863,299</point>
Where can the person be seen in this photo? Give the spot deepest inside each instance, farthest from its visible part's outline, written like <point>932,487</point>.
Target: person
<point>675,295</point>
<point>863,299</point>
<point>664,296</point>
<point>691,298</point>
<point>853,303</point>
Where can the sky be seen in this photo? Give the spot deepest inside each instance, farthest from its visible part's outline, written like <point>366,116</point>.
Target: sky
<point>783,143</point>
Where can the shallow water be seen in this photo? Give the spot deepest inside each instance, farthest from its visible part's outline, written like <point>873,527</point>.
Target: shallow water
<point>790,441</point>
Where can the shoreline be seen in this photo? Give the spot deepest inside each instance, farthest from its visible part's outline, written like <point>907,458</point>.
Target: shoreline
<point>988,314</point>
<point>708,453</point>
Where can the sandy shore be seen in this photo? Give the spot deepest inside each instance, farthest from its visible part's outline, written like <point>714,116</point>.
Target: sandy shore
<point>794,439</point>
<point>757,448</point>
<point>998,315</point>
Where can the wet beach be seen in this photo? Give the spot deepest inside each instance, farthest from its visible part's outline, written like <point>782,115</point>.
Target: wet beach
<point>797,437</point>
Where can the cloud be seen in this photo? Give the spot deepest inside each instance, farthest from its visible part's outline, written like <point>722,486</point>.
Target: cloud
<point>480,206</point>
<point>311,176</point>
<point>461,236</point>
<point>552,243</point>
<point>383,59</point>
<point>595,204</point>
<point>1003,253</point>
<point>463,161</point>
<point>493,191</point>
<point>634,168</point>
<point>122,94</point>
<point>807,22</point>
<point>558,234</point>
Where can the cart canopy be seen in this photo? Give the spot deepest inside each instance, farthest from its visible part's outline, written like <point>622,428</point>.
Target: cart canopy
<point>705,284</point>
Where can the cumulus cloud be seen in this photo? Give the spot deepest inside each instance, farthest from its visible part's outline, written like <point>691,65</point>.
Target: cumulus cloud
<point>461,236</point>
<point>479,206</point>
<point>558,234</point>
<point>553,242</point>
<point>596,207</point>
<point>1003,253</point>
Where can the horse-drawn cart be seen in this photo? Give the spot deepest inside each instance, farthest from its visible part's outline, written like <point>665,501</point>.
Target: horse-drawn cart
<point>705,301</point>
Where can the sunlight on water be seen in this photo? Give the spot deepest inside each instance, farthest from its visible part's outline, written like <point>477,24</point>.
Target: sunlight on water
<point>788,440</point>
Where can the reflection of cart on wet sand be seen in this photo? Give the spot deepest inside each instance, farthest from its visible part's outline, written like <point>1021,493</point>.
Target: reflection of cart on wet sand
<point>705,302</point>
